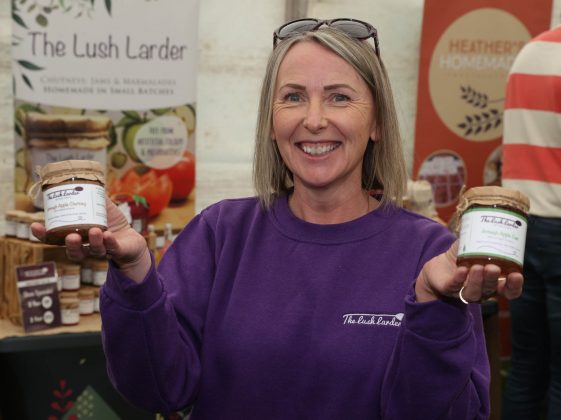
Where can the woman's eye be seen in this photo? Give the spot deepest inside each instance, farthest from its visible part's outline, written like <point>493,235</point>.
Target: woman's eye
<point>339,97</point>
<point>292,97</point>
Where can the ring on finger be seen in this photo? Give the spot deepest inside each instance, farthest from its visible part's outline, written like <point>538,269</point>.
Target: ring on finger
<point>461,297</point>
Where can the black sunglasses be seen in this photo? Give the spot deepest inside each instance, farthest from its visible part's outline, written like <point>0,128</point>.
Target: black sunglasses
<point>354,28</point>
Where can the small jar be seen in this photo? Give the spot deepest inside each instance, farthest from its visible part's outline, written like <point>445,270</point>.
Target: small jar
<point>70,311</point>
<point>70,277</point>
<point>11,223</point>
<point>22,225</point>
<point>96,299</point>
<point>86,296</point>
<point>99,272</point>
<point>73,199</point>
<point>86,271</point>
<point>38,217</point>
<point>493,224</point>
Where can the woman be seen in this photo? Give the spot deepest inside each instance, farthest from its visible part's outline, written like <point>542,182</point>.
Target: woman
<point>314,299</point>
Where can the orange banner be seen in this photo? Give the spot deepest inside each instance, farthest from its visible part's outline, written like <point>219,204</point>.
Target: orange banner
<point>467,49</point>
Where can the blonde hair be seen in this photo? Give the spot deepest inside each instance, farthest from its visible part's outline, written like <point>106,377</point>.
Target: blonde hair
<point>383,162</point>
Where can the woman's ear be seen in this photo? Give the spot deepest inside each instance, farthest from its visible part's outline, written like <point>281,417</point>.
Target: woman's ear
<point>375,134</point>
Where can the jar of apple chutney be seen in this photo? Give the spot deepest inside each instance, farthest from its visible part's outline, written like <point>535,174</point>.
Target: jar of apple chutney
<point>73,198</point>
<point>493,224</point>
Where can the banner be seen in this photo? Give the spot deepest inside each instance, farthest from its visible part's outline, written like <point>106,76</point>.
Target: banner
<point>467,49</point>
<point>111,81</point>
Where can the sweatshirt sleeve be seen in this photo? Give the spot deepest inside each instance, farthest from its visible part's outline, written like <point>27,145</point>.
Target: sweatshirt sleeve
<point>439,367</point>
<point>152,331</point>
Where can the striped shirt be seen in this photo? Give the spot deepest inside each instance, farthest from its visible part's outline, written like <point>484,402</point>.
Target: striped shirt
<point>532,124</point>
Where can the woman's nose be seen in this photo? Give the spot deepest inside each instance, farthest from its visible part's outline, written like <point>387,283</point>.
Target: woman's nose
<point>315,118</point>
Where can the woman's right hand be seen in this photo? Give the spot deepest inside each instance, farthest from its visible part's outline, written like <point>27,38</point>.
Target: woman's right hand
<point>120,243</point>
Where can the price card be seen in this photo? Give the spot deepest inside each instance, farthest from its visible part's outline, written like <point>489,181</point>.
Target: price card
<point>38,295</point>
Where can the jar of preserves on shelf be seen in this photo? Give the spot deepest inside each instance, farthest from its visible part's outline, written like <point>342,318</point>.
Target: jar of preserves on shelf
<point>70,277</point>
<point>73,199</point>
<point>70,311</point>
<point>86,271</point>
<point>86,296</point>
<point>11,226</point>
<point>493,224</point>
<point>22,225</point>
<point>99,272</point>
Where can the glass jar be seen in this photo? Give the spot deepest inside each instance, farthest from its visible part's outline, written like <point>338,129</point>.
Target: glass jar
<point>86,271</point>
<point>70,277</point>
<point>70,311</point>
<point>99,272</point>
<point>11,223</point>
<point>493,224</point>
<point>23,224</point>
<point>86,296</point>
<point>73,199</point>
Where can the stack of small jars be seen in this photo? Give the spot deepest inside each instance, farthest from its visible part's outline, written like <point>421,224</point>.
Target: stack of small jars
<point>18,224</point>
<point>78,286</point>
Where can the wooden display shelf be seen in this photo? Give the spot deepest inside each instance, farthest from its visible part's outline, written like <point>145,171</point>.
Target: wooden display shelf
<point>88,324</point>
<point>13,339</point>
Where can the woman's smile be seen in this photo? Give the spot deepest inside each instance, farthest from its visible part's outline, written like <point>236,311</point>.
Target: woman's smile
<point>318,148</point>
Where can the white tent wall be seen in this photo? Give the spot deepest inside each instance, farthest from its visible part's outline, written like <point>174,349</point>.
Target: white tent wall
<point>235,40</point>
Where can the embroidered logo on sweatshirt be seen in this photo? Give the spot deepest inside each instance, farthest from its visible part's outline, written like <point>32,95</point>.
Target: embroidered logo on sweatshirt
<point>391,320</point>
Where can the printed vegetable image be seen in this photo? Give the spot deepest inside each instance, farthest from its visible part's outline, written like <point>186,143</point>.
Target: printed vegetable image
<point>182,176</point>
<point>143,181</point>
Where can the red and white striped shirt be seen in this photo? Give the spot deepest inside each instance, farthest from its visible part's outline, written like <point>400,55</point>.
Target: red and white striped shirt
<point>532,124</point>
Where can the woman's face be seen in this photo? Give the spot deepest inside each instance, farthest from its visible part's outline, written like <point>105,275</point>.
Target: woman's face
<point>323,117</point>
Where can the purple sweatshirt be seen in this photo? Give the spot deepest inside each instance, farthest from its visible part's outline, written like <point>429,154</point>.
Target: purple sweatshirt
<point>256,314</point>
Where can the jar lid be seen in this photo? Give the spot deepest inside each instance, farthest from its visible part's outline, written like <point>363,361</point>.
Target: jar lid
<point>100,264</point>
<point>69,302</point>
<point>56,172</point>
<point>71,269</point>
<point>38,217</point>
<point>14,214</point>
<point>87,263</point>
<point>25,217</point>
<point>493,195</point>
<point>86,292</point>
<point>68,295</point>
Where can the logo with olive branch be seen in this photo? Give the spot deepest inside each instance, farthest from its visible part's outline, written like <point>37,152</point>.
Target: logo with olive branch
<point>486,119</point>
<point>29,13</point>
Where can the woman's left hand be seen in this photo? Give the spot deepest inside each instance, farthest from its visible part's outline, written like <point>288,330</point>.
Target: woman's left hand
<point>441,277</point>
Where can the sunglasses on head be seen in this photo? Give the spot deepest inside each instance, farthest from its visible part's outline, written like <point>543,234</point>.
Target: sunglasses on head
<point>354,28</point>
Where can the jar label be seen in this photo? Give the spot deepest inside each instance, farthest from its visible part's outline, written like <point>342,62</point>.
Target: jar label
<point>70,316</point>
<point>86,306</point>
<point>74,204</point>
<point>493,233</point>
<point>99,277</point>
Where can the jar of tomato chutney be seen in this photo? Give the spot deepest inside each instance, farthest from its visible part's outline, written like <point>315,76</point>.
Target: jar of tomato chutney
<point>493,224</point>
<point>73,198</point>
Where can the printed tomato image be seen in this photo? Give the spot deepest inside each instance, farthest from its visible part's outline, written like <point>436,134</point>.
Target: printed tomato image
<point>145,182</point>
<point>182,176</point>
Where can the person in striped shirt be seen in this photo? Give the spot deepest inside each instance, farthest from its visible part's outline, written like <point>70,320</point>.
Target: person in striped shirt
<point>532,164</point>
